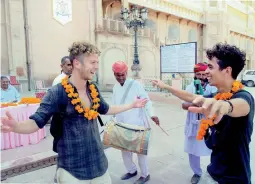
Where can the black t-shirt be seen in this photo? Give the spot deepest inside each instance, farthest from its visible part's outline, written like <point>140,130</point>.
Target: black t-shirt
<point>229,141</point>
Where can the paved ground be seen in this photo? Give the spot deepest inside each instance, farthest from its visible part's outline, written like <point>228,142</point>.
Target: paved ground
<point>167,161</point>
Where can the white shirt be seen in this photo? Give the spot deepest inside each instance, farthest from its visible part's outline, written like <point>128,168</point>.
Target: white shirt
<point>10,95</point>
<point>137,116</point>
<point>192,125</point>
<point>208,89</point>
<point>59,78</point>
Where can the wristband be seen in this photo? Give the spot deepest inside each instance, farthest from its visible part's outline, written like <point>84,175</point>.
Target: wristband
<point>230,110</point>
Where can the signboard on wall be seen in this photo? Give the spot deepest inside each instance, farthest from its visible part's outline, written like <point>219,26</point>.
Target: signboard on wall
<point>62,11</point>
<point>178,58</point>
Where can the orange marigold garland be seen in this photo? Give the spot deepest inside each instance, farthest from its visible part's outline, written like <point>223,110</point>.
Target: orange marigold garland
<point>30,100</point>
<point>24,100</point>
<point>8,104</point>
<point>76,101</point>
<point>206,123</point>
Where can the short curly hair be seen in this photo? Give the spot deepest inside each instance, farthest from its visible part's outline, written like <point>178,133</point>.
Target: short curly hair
<point>79,49</point>
<point>228,56</point>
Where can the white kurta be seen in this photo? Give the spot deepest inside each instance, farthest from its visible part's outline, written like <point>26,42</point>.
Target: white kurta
<point>137,116</point>
<point>191,144</point>
<point>59,78</point>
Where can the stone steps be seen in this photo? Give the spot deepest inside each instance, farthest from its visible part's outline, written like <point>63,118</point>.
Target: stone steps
<point>27,164</point>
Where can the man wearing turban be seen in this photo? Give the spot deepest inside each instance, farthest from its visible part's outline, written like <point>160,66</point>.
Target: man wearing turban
<point>192,146</point>
<point>199,70</point>
<point>133,117</point>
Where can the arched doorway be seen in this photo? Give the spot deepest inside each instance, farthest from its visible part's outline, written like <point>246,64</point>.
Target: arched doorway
<point>108,58</point>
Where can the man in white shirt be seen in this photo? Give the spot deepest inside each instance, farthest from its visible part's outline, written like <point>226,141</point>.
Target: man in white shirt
<point>135,117</point>
<point>8,92</point>
<point>66,66</point>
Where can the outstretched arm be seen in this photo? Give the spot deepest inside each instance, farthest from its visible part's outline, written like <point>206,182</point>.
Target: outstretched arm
<point>185,105</point>
<point>240,105</point>
<point>9,124</point>
<point>182,94</point>
<point>46,109</point>
<point>116,109</point>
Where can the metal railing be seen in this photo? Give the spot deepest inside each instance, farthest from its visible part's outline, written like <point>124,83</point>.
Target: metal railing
<point>118,27</point>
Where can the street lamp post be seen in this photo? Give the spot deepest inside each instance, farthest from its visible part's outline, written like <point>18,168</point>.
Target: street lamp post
<point>134,19</point>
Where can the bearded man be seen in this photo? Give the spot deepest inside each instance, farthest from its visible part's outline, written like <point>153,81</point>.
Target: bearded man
<point>196,148</point>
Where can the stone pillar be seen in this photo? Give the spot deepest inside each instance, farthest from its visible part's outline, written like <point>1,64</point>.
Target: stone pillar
<point>217,28</point>
<point>6,58</point>
<point>99,14</point>
<point>15,35</point>
<point>92,19</point>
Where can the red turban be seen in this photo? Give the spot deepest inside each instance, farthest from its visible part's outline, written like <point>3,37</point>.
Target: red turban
<point>200,67</point>
<point>119,67</point>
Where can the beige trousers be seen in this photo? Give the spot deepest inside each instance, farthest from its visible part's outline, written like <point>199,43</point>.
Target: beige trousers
<point>64,176</point>
<point>130,165</point>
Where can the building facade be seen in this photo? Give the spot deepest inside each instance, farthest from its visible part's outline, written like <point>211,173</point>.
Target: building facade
<point>52,26</point>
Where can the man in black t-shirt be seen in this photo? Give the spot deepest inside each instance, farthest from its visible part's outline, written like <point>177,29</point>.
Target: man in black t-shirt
<point>230,137</point>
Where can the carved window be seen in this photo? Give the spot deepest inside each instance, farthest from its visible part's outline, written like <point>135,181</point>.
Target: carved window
<point>152,25</point>
<point>192,35</point>
<point>174,32</point>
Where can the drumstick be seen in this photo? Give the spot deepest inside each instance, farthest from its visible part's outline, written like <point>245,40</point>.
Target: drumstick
<point>158,125</point>
<point>163,130</point>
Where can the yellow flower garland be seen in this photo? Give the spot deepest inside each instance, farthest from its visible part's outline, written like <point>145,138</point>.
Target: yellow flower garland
<point>76,101</point>
<point>206,123</point>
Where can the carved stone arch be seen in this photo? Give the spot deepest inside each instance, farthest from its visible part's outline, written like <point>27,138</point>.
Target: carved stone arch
<point>111,53</point>
<point>107,46</point>
<point>107,4</point>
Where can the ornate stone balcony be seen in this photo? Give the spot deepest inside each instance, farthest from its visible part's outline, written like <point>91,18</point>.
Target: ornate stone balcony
<point>172,8</point>
<point>111,26</point>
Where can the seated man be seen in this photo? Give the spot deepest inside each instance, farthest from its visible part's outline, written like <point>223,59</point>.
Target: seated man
<point>8,92</point>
